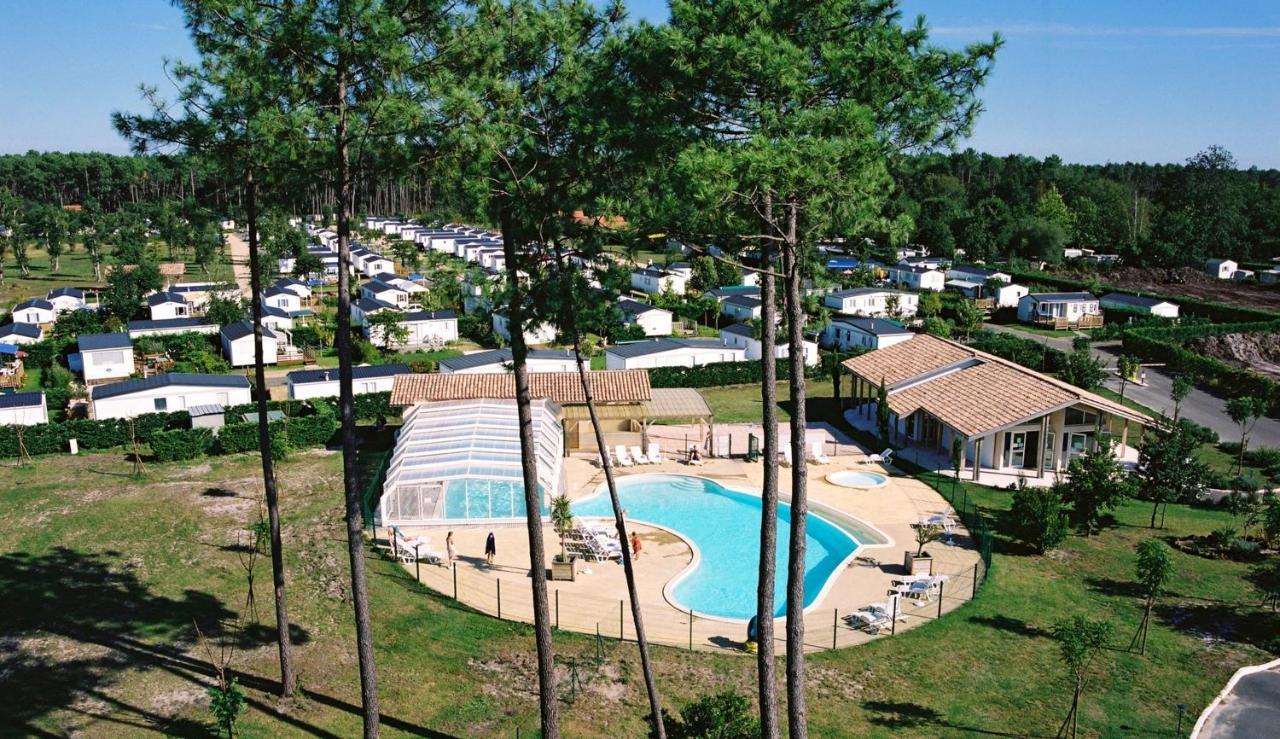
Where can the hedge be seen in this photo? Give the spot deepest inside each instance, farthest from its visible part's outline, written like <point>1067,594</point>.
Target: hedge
<point>300,432</point>
<point>52,438</point>
<point>1216,312</point>
<point>179,444</point>
<point>1026,352</point>
<point>1166,345</point>
<point>723,373</point>
<point>368,407</point>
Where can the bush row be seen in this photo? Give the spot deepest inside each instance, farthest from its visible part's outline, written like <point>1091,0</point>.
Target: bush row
<point>1166,345</point>
<point>1216,312</point>
<point>723,373</point>
<point>51,438</point>
<point>1026,352</point>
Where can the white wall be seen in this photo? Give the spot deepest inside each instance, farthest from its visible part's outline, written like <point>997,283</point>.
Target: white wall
<point>286,301</point>
<point>65,303</point>
<point>239,353</point>
<point>845,338</point>
<point>1009,295</point>
<point>541,334</point>
<point>420,332</point>
<point>28,416</point>
<point>107,364</point>
<point>169,310</point>
<point>874,304</point>
<point>176,397</point>
<point>654,322</point>
<point>359,386</point>
<point>34,315</point>
<point>683,357</point>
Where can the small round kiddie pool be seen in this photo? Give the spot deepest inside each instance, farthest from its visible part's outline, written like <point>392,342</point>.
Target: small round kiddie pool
<point>857,479</point>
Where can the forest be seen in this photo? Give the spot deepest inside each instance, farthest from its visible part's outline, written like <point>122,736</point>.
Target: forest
<point>990,207</point>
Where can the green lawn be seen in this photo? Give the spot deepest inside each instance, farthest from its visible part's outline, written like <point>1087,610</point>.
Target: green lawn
<point>1041,331</point>
<point>103,576</point>
<point>741,403</point>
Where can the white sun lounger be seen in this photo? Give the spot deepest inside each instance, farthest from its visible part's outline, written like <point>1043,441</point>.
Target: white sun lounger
<point>655,453</point>
<point>409,551</point>
<point>620,455</point>
<point>815,452</point>
<point>638,456</point>
<point>786,455</point>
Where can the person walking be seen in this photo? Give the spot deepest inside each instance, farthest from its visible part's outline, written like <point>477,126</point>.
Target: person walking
<point>449,551</point>
<point>635,545</point>
<point>490,549</point>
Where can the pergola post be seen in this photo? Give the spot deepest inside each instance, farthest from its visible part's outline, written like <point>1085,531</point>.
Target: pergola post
<point>1044,436</point>
<point>1124,436</point>
<point>977,457</point>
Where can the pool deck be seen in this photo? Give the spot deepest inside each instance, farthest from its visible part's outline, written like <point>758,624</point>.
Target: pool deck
<point>596,599</point>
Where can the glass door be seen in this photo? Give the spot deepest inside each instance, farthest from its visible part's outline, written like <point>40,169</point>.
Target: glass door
<point>1018,449</point>
<point>1046,457</point>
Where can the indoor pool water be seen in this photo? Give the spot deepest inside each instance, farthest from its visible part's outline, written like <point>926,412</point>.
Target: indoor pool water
<point>724,526</point>
<point>480,499</point>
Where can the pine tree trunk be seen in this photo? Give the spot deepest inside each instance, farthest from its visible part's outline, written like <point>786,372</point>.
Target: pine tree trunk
<point>797,707</point>
<point>346,411</point>
<point>637,617</point>
<point>547,702</point>
<point>287,680</point>
<point>766,664</point>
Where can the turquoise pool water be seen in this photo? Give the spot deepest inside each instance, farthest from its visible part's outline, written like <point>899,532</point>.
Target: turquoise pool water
<point>478,499</point>
<point>724,526</point>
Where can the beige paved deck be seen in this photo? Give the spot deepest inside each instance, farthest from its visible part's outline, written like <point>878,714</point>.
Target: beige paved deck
<point>594,600</point>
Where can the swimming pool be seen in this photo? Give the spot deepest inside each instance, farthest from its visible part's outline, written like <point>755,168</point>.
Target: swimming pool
<point>723,526</point>
<point>857,479</point>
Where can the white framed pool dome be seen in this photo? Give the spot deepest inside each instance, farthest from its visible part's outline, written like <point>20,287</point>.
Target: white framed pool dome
<point>459,461</point>
<point>859,479</point>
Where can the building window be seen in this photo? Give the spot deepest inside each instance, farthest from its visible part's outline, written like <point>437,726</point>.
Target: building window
<point>162,404</point>
<point>1080,417</point>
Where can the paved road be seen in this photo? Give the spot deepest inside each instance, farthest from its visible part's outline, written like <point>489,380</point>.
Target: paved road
<point>1250,710</point>
<point>1200,406</point>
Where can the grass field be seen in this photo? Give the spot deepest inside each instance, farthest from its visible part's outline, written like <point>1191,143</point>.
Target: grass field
<point>1041,331</point>
<point>103,576</point>
<point>741,403</point>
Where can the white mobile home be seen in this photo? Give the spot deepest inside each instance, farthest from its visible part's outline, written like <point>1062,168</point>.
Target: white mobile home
<point>282,298</point>
<point>916,278</point>
<point>66,299</point>
<point>1223,269</point>
<point>362,308</point>
<point>37,311</point>
<point>23,409</point>
<point>426,328</point>
<point>740,335</point>
<point>499,360</point>
<point>972,273</point>
<point>166,393</point>
<point>297,287</point>
<point>389,294</point>
<point>20,333</point>
<point>741,307</point>
<point>671,353</point>
<point>237,345</point>
<point>543,333</point>
<point>323,383</point>
<point>1061,310</point>
<point>164,305</point>
<point>873,301</point>
<point>1139,304</point>
<point>846,333</point>
<point>171,326</point>
<point>654,281</point>
<point>105,357</point>
<point>652,320</point>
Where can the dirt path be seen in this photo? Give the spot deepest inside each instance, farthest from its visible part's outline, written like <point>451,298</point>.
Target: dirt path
<point>238,253</point>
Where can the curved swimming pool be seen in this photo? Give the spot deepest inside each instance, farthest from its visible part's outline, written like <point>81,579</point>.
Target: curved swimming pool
<point>723,526</point>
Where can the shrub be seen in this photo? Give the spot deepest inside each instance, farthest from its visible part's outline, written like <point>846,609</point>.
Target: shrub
<point>1263,456</point>
<point>179,444</point>
<point>1202,434</point>
<point>235,438</point>
<point>1038,518</point>
<point>724,715</point>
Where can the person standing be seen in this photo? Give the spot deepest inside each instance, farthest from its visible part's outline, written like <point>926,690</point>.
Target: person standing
<point>449,552</point>
<point>635,545</point>
<point>490,549</point>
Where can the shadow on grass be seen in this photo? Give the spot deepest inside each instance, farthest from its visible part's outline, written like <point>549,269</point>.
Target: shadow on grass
<point>75,623</point>
<point>1113,587</point>
<point>1223,622</point>
<point>905,716</point>
<point>1011,625</point>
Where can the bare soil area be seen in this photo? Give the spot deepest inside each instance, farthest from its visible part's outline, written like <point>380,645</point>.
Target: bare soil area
<point>1258,352</point>
<point>1194,283</point>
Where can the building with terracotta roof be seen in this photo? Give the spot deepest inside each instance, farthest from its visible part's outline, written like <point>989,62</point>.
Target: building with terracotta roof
<point>1011,420</point>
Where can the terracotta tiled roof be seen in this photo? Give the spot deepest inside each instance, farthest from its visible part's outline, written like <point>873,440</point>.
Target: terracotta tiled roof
<point>607,386</point>
<point>911,358</point>
<point>981,396</point>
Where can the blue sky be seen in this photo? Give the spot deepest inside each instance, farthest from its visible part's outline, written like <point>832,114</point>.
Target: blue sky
<point>1088,80</point>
